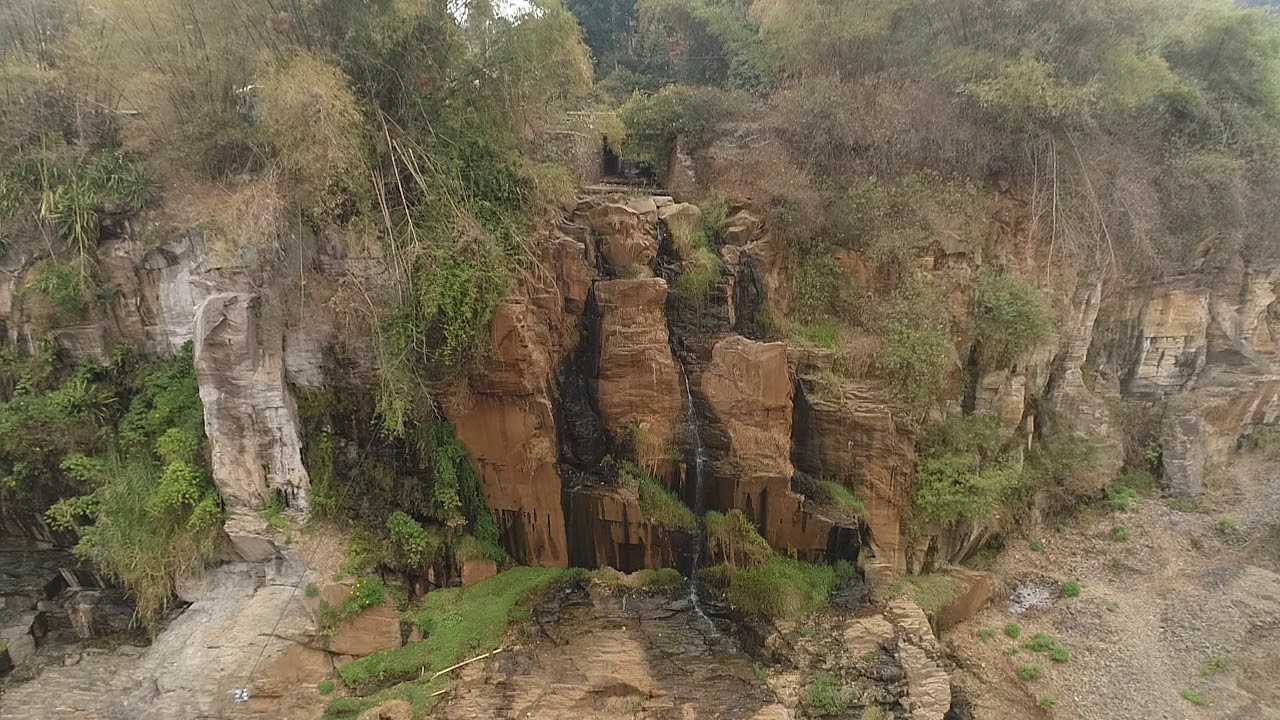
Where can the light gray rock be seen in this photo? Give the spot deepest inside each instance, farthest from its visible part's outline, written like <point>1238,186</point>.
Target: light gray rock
<point>250,414</point>
<point>1182,453</point>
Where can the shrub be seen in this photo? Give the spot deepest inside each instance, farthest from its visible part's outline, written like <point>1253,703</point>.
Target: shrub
<point>142,523</point>
<point>824,697</point>
<point>653,122</point>
<point>1059,653</point>
<point>1011,316</point>
<point>1072,588</point>
<point>733,538</point>
<point>410,546</point>
<point>698,275</point>
<point>64,286</point>
<point>324,687</point>
<point>1040,643</point>
<point>1012,630</point>
<point>365,594</point>
<point>469,547</point>
<point>662,507</point>
<point>1192,696</point>
<point>779,588</point>
<point>1030,672</point>
<point>915,360</point>
<point>957,487</point>
<point>1122,498</point>
<point>650,579</point>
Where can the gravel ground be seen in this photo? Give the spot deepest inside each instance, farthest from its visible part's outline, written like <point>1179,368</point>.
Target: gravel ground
<point>1182,604</point>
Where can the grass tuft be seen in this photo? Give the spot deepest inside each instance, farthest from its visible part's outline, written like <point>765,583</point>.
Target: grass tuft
<point>1030,672</point>
<point>1012,631</point>
<point>1072,588</point>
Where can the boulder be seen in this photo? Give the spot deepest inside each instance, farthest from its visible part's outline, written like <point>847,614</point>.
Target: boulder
<point>607,529</point>
<point>377,628</point>
<point>852,432</point>
<point>749,390</point>
<point>627,238</point>
<point>98,613</point>
<point>973,590</point>
<point>742,228</point>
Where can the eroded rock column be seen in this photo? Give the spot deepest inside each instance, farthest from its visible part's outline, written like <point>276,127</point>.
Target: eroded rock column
<point>250,416</point>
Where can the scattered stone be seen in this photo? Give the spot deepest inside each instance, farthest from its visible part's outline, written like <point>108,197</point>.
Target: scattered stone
<point>1031,595</point>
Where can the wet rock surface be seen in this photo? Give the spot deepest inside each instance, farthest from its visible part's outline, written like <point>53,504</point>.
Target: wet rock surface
<point>618,656</point>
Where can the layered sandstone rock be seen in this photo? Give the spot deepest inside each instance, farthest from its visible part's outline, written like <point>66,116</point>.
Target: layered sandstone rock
<point>749,392</point>
<point>628,238</point>
<point>637,384</point>
<point>608,529</point>
<point>854,434</point>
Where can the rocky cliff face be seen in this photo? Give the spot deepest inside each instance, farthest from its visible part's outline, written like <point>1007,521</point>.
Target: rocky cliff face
<point>582,371</point>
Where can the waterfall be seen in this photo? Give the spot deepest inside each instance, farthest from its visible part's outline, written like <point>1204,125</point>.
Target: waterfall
<point>699,460</point>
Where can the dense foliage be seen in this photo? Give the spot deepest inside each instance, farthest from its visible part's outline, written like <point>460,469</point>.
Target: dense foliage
<point>123,445</point>
<point>962,473</point>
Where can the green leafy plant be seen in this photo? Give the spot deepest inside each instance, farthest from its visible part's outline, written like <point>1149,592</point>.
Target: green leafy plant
<point>64,286</point>
<point>1072,588</point>
<point>1219,663</point>
<point>1047,703</point>
<point>1040,643</point>
<point>1119,533</point>
<point>733,539</point>
<point>824,697</point>
<point>1011,317</point>
<point>1012,630</point>
<point>312,590</point>
<point>1228,524</point>
<point>1181,505</point>
<point>1037,545</point>
<point>1030,672</point>
<point>1192,696</point>
<point>325,687</point>
<point>1059,653</point>
<point>986,634</point>
<point>777,588</point>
